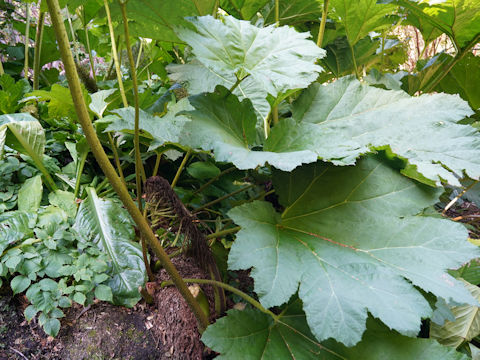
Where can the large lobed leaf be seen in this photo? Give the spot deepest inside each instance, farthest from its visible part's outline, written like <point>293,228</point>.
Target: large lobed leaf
<point>220,122</point>
<point>105,223</point>
<point>252,335</point>
<point>349,240</point>
<point>466,325</point>
<point>271,60</point>
<point>354,119</point>
<point>157,19</point>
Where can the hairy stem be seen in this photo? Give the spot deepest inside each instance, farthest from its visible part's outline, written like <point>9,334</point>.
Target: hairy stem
<point>139,170</point>
<point>115,54</point>
<point>227,287</point>
<point>321,30</point>
<point>108,169</point>
<point>277,12</point>
<point>223,233</point>
<point>89,49</point>
<point>81,164</point>
<point>38,47</point>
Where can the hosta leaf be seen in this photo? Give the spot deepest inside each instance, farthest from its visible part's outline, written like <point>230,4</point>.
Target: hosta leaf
<point>223,124</point>
<point>466,325</point>
<point>354,119</point>
<point>349,240</point>
<point>30,194</point>
<point>105,223</point>
<point>157,19</point>
<point>277,59</point>
<point>253,335</point>
<point>460,19</point>
<point>360,17</point>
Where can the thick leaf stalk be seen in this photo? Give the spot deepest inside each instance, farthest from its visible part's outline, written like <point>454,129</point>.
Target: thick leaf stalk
<point>38,48</point>
<point>106,166</point>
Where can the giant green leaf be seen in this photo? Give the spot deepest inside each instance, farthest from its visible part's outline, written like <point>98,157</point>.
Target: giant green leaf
<point>105,223</point>
<point>198,79</point>
<point>253,335</point>
<point>460,19</point>
<point>350,241</point>
<point>293,12</point>
<point>243,9</point>
<point>466,325</point>
<point>463,79</point>
<point>158,19</point>
<point>360,17</point>
<point>23,133</point>
<point>220,122</point>
<point>355,118</point>
<point>277,59</point>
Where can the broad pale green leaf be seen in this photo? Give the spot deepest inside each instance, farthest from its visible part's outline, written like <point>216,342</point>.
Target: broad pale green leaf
<point>220,122</point>
<point>355,118</point>
<point>253,335</point>
<point>198,79</point>
<point>19,283</point>
<point>30,194</point>
<point>277,59</point>
<point>99,103</point>
<point>360,17</point>
<point>460,19</point>
<point>157,19</point>
<point>466,325</point>
<point>350,242</point>
<point>105,223</point>
<point>161,130</point>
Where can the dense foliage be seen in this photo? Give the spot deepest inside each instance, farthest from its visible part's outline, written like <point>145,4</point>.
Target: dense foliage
<point>313,157</point>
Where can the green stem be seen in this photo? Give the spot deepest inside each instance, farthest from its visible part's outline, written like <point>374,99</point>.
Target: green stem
<point>108,169</point>
<point>357,74</point>
<point>215,9</point>
<point>1,68</point>
<point>227,287</point>
<point>277,12</point>
<point>90,55</point>
<point>139,54</point>
<point>321,30</point>
<point>223,198</point>
<point>80,167</point>
<point>235,85</point>
<point>212,180</point>
<point>157,163</point>
<point>38,47</point>
<point>223,233</point>
<point>74,41</point>
<point>116,157</point>
<point>275,115</point>
<point>139,169</point>
<point>27,40</point>
<point>115,54</point>
<point>180,168</point>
